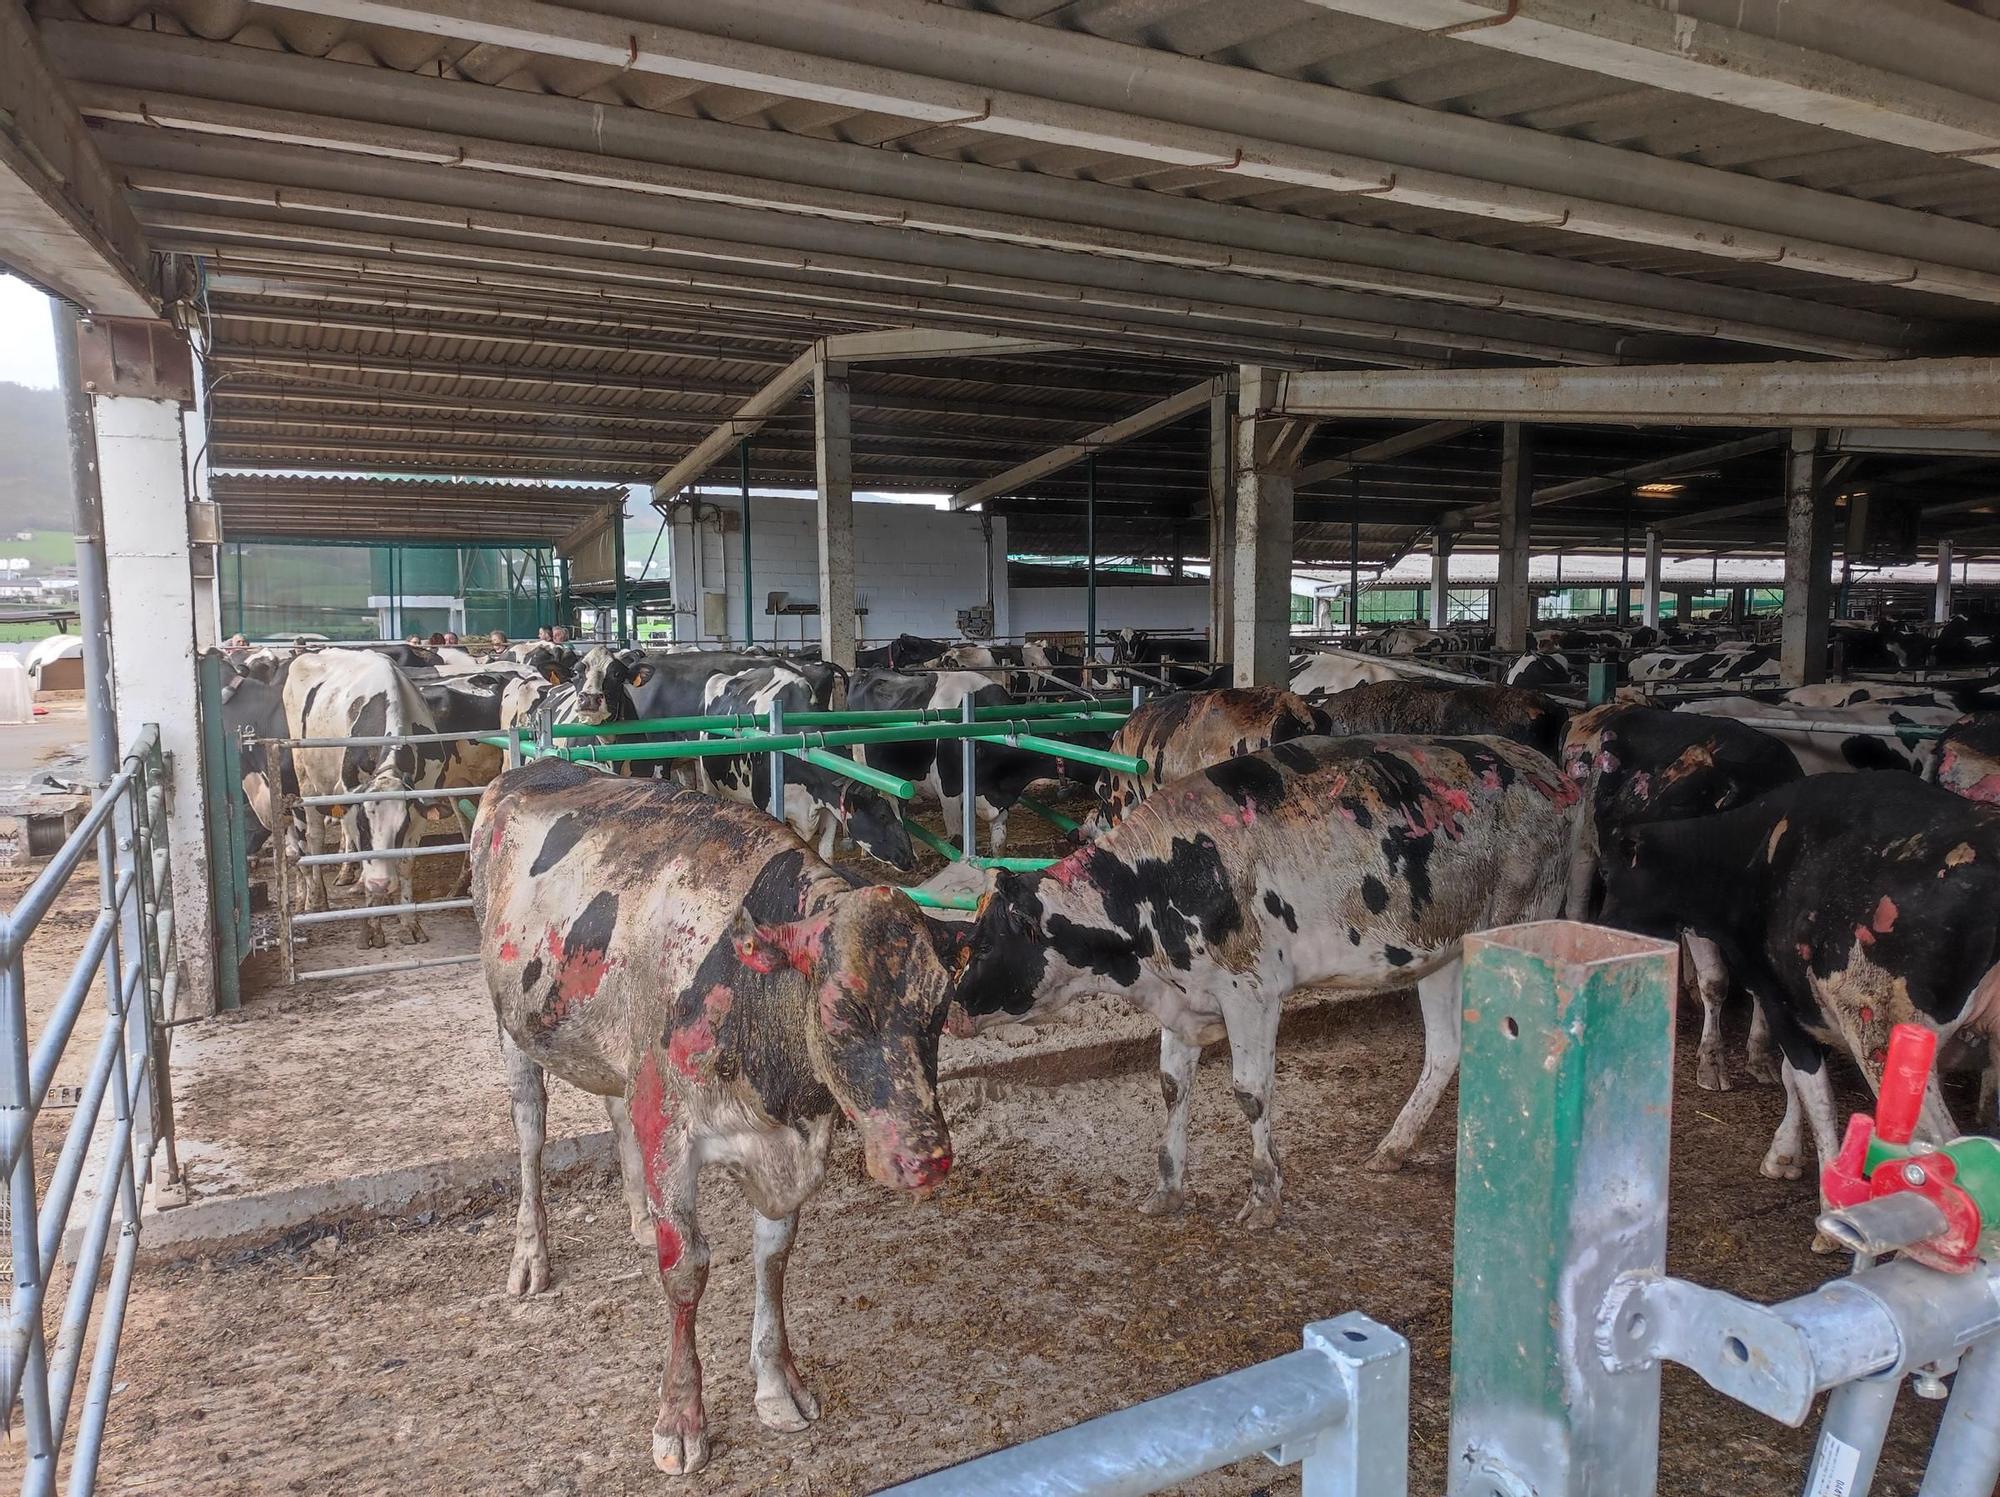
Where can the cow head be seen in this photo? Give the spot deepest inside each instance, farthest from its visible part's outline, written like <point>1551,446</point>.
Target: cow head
<point>383,824</point>
<point>601,679</point>
<point>1005,956</point>
<point>878,994</point>
<point>876,826</point>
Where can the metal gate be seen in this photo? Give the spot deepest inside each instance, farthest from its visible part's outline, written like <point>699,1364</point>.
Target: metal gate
<point>228,862</point>
<point>128,954</point>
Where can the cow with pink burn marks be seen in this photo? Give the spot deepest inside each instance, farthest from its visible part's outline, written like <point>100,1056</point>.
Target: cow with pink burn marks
<point>728,995</point>
<point>1359,862</point>
<point>1845,904</point>
<point>1177,734</point>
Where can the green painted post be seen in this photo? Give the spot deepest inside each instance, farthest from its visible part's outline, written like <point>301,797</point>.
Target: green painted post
<point>1565,1104</point>
<point>1603,682</point>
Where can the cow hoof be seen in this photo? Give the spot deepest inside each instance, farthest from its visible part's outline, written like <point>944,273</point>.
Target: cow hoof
<point>529,1272</point>
<point>1258,1215</point>
<point>1711,1077</point>
<point>1780,1167</point>
<point>372,937</point>
<point>1384,1161</point>
<point>1163,1202</point>
<point>1763,1068</point>
<point>413,934</point>
<point>787,1408</point>
<point>680,1453</point>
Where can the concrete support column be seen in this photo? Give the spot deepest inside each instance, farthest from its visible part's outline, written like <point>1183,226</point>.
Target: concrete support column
<point>149,549</point>
<point>1649,597</point>
<point>833,443</point>
<point>1513,601</point>
<point>204,518</point>
<point>1440,578</point>
<point>1267,449</point>
<point>1941,611</point>
<point>1221,533</point>
<point>1808,564</point>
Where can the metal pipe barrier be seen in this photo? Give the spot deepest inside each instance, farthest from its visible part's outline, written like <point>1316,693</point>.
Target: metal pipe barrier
<point>1339,1409</point>
<point>128,955</point>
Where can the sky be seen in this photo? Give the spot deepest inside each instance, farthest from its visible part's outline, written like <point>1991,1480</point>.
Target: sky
<point>27,346</point>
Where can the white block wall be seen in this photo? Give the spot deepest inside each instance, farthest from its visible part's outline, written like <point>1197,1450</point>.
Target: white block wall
<point>1057,609</point>
<point>915,568</point>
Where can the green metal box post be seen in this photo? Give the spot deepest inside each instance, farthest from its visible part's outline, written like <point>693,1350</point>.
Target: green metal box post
<point>1565,1109</point>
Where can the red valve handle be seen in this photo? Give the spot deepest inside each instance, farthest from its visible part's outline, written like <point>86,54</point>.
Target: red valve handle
<point>1905,1074</point>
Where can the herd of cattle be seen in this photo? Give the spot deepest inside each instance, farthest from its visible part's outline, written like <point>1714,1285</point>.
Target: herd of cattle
<point>731,993</point>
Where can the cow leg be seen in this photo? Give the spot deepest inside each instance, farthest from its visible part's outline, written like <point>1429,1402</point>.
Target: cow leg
<point>315,843</point>
<point>1711,978</point>
<point>1178,1059</point>
<point>1252,1022</point>
<point>672,1168</point>
<point>829,829</point>
<point>1782,1159</point>
<point>631,1170</point>
<point>529,1272</point>
<point>1760,1057</point>
<point>999,832</point>
<point>1439,997</point>
<point>783,1401</point>
<point>406,881</point>
<point>346,875</point>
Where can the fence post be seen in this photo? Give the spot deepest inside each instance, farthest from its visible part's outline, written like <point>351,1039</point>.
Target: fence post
<point>967,791</point>
<point>775,723</point>
<point>1565,1106</point>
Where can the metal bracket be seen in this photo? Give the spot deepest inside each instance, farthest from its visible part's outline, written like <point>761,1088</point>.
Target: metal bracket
<point>1367,1454</point>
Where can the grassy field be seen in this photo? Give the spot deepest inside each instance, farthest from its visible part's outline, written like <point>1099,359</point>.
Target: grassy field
<point>43,548</point>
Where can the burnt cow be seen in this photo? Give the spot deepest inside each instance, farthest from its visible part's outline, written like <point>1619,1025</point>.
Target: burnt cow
<point>1636,765</point>
<point>1001,773</point>
<point>1189,730</point>
<point>1845,907</point>
<point>1358,862</point>
<point>360,694</point>
<point>819,803</point>
<point>728,994</point>
<point>1968,758</point>
<point>1433,707</point>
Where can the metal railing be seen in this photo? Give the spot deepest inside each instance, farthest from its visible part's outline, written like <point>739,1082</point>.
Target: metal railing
<point>128,952</point>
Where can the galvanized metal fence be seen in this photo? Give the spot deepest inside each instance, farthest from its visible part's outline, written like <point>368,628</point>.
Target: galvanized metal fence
<point>127,955</point>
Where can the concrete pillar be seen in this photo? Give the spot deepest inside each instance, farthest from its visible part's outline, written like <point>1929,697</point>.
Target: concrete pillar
<point>204,518</point>
<point>1513,600</point>
<point>1941,612</point>
<point>1440,578</point>
<point>1808,564</point>
<point>1221,532</point>
<point>1267,449</point>
<point>149,555</point>
<point>833,443</point>
<point>1649,597</point>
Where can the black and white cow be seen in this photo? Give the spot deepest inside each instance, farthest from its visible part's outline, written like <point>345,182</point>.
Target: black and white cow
<point>1358,862</point>
<point>1001,773</point>
<point>253,710</point>
<point>1845,906</point>
<point>820,803</point>
<point>1541,670</point>
<point>1726,662</point>
<point>1824,752</point>
<point>361,694</point>
<point>1179,661</point>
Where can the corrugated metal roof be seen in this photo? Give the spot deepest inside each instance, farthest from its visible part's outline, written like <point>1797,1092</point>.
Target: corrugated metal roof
<point>283,506</point>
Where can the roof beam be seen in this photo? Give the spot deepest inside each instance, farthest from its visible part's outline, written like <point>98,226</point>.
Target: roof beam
<point>1156,415</point>
<point>1933,393</point>
<point>1636,473</point>
<point>776,393</point>
<point>996,75</point>
<point>1386,450</point>
<point>215,88</point>
<point>1813,64</point>
<point>64,223</point>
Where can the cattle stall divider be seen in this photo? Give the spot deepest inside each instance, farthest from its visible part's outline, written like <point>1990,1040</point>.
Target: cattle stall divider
<point>130,950</point>
<point>1562,1310</point>
<point>284,862</point>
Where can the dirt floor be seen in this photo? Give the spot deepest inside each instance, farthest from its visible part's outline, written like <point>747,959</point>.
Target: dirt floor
<point>1026,1295</point>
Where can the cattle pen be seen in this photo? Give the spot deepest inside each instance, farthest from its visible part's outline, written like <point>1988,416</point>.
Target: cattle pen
<point>1000,746</point>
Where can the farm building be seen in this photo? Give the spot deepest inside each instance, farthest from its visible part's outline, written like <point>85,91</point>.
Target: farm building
<point>740,647</point>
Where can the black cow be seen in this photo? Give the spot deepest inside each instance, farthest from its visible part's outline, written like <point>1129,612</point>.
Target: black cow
<point>1846,905</point>
<point>1638,765</point>
<point>1178,661</point>
<point>1419,704</point>
<point>1001,774</point>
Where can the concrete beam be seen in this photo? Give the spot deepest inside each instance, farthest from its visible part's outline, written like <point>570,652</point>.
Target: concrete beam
<point>1649,595</point>
<point>1513,599</point>
<point>1951,393</point>
<point>185,83</point>
<point>1221,531</point>
<point>833,444</point>
<point>1160,413</point>
<point>1941,611</point>
<point>1384,451</point>
<point>993,74</point>
<point>1267,449</point>
<point>1813,64</point>
<point>1808,564</point>
<point>64,223</point>
<point>1440,578</point>
<point>1867,440</point>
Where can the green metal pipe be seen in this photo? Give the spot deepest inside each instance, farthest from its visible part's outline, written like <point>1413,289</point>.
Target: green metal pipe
<point>1112,714</point>
<point>865,774</point>
<point>1049,814</point>
<point>763,743</point>
<point>1015,865</point>
<point>932,840</point>
<point>931,901</point>
<point>1082,753</point>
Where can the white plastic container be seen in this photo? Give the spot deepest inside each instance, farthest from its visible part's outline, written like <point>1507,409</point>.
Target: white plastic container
<point>17,698</point>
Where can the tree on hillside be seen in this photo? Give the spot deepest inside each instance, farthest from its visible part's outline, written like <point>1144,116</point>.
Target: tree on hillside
<point>34,460</point>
